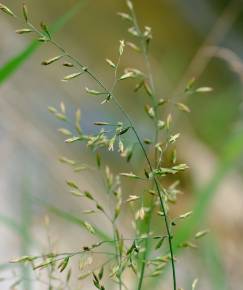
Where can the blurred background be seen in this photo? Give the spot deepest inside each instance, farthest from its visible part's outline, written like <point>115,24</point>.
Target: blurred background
<point>191,38</point>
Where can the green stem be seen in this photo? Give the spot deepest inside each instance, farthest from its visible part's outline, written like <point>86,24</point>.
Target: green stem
<point>149,74</point>
<point>126,115</point>
<point>155,106</point>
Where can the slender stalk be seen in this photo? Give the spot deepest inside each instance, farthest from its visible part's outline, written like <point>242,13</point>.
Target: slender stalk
<point>129,120</point>
<point>155,106</point>
<point>149,73</point>
<point>118,254</point>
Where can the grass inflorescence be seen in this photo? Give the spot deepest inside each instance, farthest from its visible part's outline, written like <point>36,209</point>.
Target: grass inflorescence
<point>145,254</point>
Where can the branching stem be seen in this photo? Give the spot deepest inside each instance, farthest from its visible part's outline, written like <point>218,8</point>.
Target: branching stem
<point>155,107</point>
<point>129,120</point>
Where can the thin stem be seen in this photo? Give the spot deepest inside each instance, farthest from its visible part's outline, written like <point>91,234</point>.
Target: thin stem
<point>155,106</point>
<point>115,74</point>
<point>61,256</point>
<point>149,72</point>
<point>118,254</point>
<point>126,115</point>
